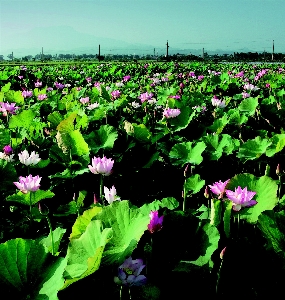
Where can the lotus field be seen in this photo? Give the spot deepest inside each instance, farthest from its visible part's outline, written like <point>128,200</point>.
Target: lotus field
<point>142,181</point>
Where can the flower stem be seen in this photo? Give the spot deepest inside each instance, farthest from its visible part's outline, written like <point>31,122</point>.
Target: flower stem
<point>31,215</point>
<point>51,234</point>
<point>101,186</point>
<point>218,277</point>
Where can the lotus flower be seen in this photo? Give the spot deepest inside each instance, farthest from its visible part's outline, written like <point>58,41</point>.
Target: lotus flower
<point>27,159</point>
<point>218,188</point>
<point>171,113</point>
<point>38,84</point>
<point>101,166</point>
<point>129,273</point>
<point>84,100</point>
<point>218,103</point>
<point>145,96</point>
<point>59,86</point>
<point>42,96</point>
<point>111,195</point>
<point>27,94</point>
<point>8,150</point>
<point>93,105</point>
<point>241,198</point>
<point>115,94</point>
<point>8,108</point>
<point>28,184</point>
<point>155,223</point>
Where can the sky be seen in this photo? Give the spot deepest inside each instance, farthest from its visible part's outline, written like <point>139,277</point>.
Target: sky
<point>139,26</point>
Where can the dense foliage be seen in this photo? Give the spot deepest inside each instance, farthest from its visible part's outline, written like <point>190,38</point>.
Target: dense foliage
<point>92,152</point>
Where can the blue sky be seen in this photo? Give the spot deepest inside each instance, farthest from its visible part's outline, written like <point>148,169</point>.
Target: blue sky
<point>67,25</point>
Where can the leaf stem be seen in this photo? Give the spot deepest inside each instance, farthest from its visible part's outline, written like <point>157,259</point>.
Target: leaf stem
<point>51,234</point>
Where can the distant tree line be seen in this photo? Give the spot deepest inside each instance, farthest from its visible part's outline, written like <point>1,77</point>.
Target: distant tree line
<point>235,57</point>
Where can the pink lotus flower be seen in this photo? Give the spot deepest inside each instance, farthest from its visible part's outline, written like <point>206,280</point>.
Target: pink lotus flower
<point>241,198</point>
<point>126,78</point>
<point>155,223</point>
<point>200,77</point>
<point>84,100</point>
<point>218,188</point>
<point>38,84</point>
<point>171,113</point>
<point>28,184</point>
<point>245,95</point>
<point>111,195</point>
<point>89,79</point>
<point>267,85</point>
<point>49,89</point>
<point>27,159</point>
<point>8,108</point>
<point>42,96</point>
<point>101,166</point>
<point>145,96</point>
<point>27,94</point>
<point>21,77</point>
<point>175,97</point>
<point>115,94</point>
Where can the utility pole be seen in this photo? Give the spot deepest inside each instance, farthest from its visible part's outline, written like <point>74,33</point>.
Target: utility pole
<point>154,53</point>
<point>42,53</point>
<point>273,51</point>
<point>264,54</point>
<point>167,46</point>
<point>99,52</point>
<point>203,54</point>
<point>12,56</point>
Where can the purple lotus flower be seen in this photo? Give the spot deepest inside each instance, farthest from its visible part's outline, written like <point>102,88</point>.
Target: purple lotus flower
<point>250,87</point>
<point>145,96</point>
<point>49,89</point>
<point>218,188</point>
<point>8,108</point>
<point>27,94</point>
<point>38,84</point>
<point>241,198</point>
<point>111,194</point>
<point>8,150</point>
<point>129,273</point>
<point>84,100</point>
<point>171,113</point>
<point>42,96</point>
<point>155,223</point>
<point>101,166</point>
<point>28,184</point>
<point>59,86</point>
<point>115,94</point>
<point>27,159</point>
<point>200,77</point>
<point>218,103</point>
